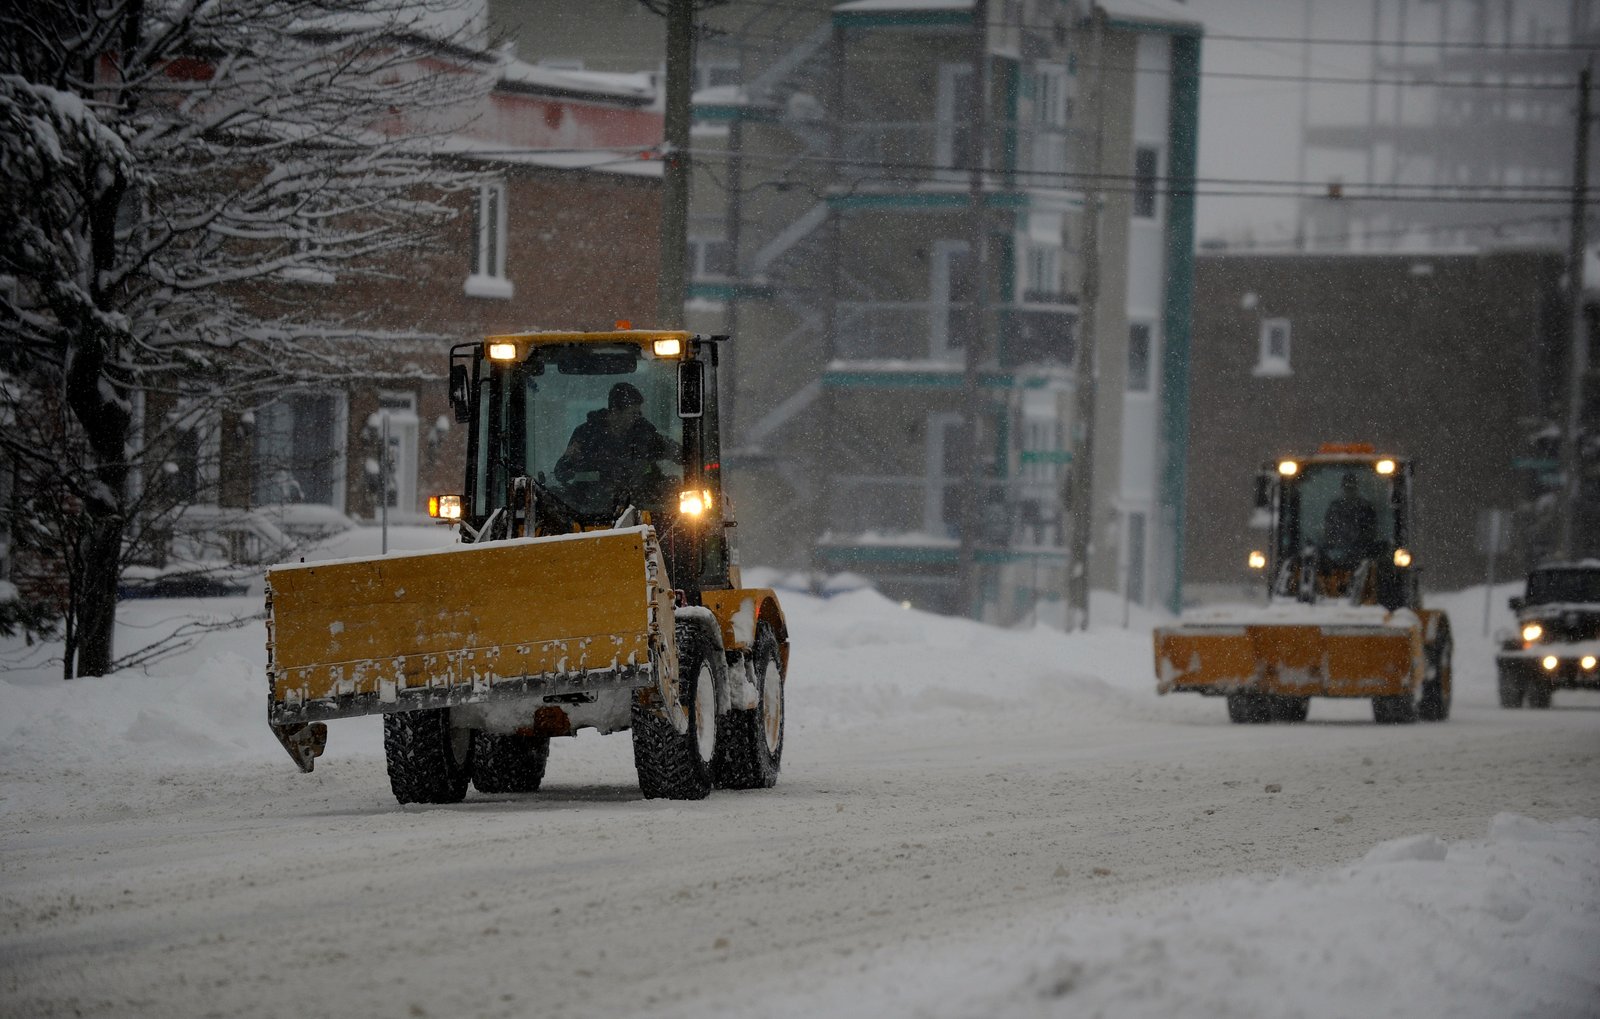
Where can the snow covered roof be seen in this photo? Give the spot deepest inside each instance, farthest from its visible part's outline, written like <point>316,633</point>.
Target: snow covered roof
<point>638,87</point>
<point>628,161</point>
<point>903,5</point>
<point>1154,12</point>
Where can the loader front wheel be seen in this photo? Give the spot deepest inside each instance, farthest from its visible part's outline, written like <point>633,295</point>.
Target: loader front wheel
<point>673,764</point>
<point>508,762</point>
<point>1249,708</point>
<point>750,740</point>
<point>1437,681</point>
<point>429,761</point>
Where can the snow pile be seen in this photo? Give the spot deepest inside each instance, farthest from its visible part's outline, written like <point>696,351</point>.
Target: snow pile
<point>1493,928</point>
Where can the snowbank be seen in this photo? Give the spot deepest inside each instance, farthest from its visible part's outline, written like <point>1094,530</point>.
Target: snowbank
<point>1500,927</point>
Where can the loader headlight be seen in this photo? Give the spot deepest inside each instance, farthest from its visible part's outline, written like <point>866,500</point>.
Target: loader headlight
<point>672,347</point>
<point>1288,468</point>
<point>444,507</point>
<point>502,351</point>
<point>1588,663</point>
<point>1402,558</point>
<point>1258,561</point>
<point>1532,632</point>
<point>694,501</point>
<point>1384,467</point>
<point>1550,662</point>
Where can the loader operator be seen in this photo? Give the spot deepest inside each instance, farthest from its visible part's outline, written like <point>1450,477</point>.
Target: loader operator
<point>622,446</point>
<point>1350,527</point>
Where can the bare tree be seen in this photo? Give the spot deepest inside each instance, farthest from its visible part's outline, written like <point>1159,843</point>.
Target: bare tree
<point>164,166</point>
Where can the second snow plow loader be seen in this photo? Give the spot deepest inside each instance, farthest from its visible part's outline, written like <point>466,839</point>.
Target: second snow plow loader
<point>1344,615</point>
<point>595,585</point>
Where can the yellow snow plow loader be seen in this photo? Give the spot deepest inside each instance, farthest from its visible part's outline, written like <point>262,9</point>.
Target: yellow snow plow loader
<point>595,584</point>
<point>1343,615</point>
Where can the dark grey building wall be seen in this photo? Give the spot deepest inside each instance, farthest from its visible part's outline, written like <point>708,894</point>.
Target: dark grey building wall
<point>1435,357</point>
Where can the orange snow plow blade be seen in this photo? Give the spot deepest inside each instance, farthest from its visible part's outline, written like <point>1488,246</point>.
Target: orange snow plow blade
<point>563,614</point>
<point>1291,659</point>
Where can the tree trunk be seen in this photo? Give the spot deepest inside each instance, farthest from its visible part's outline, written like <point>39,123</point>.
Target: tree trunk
<point>97,601</point>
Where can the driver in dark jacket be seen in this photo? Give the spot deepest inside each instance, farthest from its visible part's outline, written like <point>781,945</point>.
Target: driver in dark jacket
<point>1350,528</point>
<point>619,443</point>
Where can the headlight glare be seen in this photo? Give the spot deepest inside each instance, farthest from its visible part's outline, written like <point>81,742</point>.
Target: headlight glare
<point>1532,632</point>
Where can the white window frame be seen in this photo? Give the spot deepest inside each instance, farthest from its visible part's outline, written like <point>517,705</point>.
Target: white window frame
<point>1270,363</point>
<point>949,121</point>
<point>488,275</point>
<point>1155,185</point>
<point>1149,328</point>
<point>945,253</point>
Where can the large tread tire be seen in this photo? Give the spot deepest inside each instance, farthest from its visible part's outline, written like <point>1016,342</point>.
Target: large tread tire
<point>1249,708</point>
<point>1513,686</point>
<point>1437,684</point>
<point>507,762</point>
<point>1401,710</point>
<point>675,765</point>
<point>1290,709</point>
<point>429,762</point>
<point>750,740</point>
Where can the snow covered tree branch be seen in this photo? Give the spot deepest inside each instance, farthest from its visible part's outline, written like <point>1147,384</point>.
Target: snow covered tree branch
<point>165,165</point>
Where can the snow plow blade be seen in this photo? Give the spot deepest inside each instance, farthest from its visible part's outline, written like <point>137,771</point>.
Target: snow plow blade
<point>1377,658</point>
<point>530,616</point>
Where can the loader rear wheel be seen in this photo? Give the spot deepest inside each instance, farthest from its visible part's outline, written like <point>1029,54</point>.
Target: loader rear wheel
<point>750,740</point>
<point>429,761</point>
<point>507,762</point>
<point>1401,710</point>
<point>1290,709</point>
<point>1438,680</point>
<point>673,764</point>
<point>1249,708</point>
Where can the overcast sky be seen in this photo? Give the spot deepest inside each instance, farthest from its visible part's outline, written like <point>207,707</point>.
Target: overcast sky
<point>1251,129</point>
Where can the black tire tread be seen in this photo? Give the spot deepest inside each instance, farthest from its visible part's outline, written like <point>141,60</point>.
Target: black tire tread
<point>743,760</point>
<point>422,768</point>
<point>668,762</point>
<point>508,762</point>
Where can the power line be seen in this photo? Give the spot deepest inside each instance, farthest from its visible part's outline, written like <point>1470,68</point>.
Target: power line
<point>1530,47</point>
<point>1538,194</point>
<point>1525,86</point>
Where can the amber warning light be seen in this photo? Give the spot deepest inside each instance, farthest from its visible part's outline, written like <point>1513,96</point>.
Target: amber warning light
<point>444,507</point>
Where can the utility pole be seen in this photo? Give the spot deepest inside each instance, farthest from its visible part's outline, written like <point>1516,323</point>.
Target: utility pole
<point>975,346</point>
<point>1080,495</point>
<point>1571,443</point>
<point>672,288</point>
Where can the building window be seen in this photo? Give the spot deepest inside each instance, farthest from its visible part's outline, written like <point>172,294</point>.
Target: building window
<point>710,258</point>
<point>299,447</point>
<point>1274,356</point>
<point>1139,357</point>
<point>488,277</point>
<point>1043,281</point>
<point>1146,161</point>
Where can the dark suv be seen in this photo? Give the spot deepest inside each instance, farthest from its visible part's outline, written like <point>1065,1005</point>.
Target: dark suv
<point>1557,643</point>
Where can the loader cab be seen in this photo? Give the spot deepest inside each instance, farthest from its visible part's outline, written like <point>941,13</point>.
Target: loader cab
<point>581,431</point>
<point>1342,528</point>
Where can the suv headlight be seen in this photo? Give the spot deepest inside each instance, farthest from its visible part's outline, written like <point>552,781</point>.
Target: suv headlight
<point>1531,632</point>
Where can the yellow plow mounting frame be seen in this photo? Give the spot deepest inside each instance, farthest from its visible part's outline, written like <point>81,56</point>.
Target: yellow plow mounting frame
<point>529,617</point>
<point>1292,659</point>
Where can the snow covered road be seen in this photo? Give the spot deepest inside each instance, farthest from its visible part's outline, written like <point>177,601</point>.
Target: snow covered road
<point>970,821</point>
